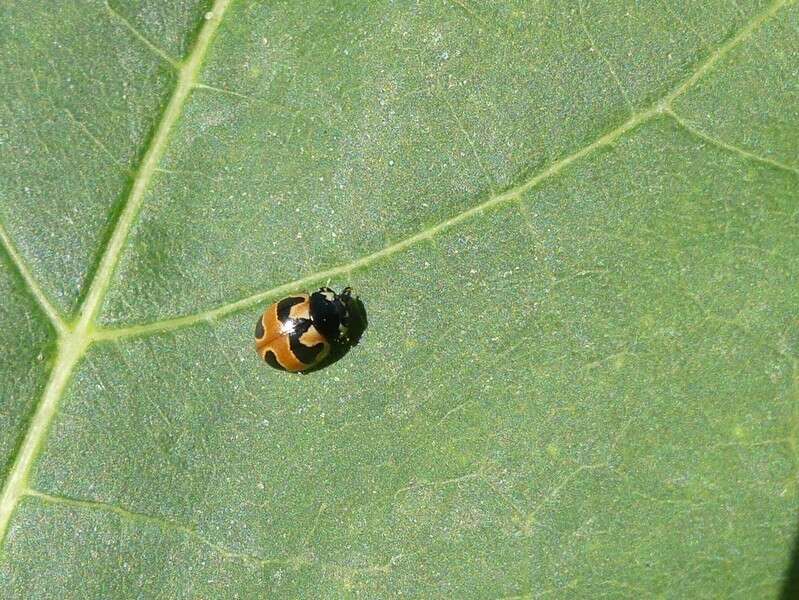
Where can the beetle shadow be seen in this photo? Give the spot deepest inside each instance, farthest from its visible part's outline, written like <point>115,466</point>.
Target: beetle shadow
<point>358,324</point>
<point>790,585</point>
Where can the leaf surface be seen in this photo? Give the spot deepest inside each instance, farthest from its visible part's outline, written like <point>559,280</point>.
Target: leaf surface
<point>575,231</point>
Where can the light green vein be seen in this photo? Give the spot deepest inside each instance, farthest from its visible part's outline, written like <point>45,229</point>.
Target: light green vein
<point>137,517</point>
<point>426,234</point>
<point>139,36</point>
<point>30,281</point>
<point>74,340</point>
<point>594,47</point>
<point>660,106</point>
<point>743,34</point>
<point>186,79</point>
<point>713,141</point>
<point>70,349</point>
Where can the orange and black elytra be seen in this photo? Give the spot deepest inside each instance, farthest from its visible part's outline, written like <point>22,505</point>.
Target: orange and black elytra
<point>298,332</point>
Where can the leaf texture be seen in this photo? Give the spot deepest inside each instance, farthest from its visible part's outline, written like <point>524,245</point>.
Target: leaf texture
<point>575,230</point>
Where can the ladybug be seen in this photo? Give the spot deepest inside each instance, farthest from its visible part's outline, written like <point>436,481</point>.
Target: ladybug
<point>298,332</point>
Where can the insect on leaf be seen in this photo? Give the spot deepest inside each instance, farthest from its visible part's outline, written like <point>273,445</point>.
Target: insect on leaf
<point>574,227</point>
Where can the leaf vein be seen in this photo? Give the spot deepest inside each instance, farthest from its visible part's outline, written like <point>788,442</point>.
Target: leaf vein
<point>743,34</point>
<point>95,140</point>
<point>364,261</point>
<point>660,106</point>
<point>140,36</point>
<point>143,518</point>
<point>30,281</point>
<point>595,47</point>
<point>726,146</point>
<point>185,85</point>
<point>75,339</point>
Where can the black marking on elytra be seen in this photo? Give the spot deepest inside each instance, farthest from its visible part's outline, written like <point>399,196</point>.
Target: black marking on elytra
<point>356,326</point>
<point>284,307</point>
<point>271,360</point>
<point>259,328</point>
<point>305,354</point>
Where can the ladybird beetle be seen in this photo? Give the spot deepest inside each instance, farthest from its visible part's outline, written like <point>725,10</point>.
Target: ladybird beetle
<point>297,332</point>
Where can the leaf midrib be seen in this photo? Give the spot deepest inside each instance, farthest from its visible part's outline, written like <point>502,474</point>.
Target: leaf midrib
<point>75,339</point>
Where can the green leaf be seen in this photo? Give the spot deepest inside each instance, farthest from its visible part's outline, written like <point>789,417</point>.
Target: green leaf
<point>574,227</point>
